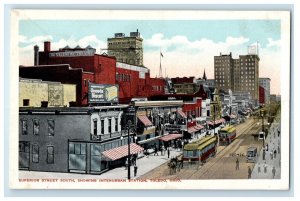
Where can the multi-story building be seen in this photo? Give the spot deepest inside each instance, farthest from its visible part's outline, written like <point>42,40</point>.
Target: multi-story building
<point>265,83</point>
<point>223,70</point>
<point>126,49</point>
<point>82,66</point>
<point>249,67</point>
<point>238,74</point>
<point>50,141</point>
<point>262,93</point>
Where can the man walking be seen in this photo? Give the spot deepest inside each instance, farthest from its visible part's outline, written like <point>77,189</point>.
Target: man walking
<point>249,172</point>
<point>135,170</point>
<point>237,164</point>
<point>168,153</point>
<point>273,171</point>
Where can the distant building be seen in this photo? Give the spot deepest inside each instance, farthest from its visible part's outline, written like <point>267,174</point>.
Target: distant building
<point>184,85</point>
<point>262,95</point>
<point>265,83</point>
<point>223,70</point>
<point>127,49</point>
<point>273,98</point>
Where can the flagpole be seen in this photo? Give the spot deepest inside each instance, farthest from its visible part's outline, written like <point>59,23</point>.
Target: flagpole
<point>160,73</point>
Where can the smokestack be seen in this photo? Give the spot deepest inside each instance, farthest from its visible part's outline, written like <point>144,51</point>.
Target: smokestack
<point>36,55</point>
<point>47,47</point>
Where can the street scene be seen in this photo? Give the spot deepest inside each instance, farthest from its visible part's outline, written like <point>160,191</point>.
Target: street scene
<point>147,101</point>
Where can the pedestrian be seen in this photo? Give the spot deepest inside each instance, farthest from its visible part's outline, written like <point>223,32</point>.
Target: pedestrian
<point>271,154</point>
<point>265,168</point>
<point>135,170</point>
<point>258,168</point>
<point>249,172</point>
<point>275,153</point>
<point>168,153</point>
<point>278,149</point>
<point>237,164</point>
<point>161,150</point>
<point>273,171</point>
<point>155,151</point>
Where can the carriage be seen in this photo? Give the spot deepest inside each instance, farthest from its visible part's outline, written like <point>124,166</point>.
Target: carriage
<point>200,150</point>
<point>227,135</point>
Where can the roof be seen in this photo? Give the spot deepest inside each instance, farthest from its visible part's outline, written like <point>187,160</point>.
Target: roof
<point>122,151</point>
<point>170,137</point>
<point>229,129</point>
<point>199,143</point>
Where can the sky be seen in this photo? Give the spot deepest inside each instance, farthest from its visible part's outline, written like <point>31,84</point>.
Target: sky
<point>188,46</point>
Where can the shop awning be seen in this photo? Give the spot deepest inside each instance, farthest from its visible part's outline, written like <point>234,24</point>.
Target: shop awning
<point>195,128</point>
<point>170,137</point>
<point>144,119</point>
<point>120,152</point>
<point>216,122</point>
<point>181,113</point>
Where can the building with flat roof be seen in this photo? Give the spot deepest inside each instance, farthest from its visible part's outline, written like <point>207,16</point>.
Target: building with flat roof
<point>126,49</point>
<point>265,83</point>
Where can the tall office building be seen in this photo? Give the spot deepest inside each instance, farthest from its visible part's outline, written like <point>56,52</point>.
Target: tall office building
<point>238,74</point>
<point>223,71</point>
<point>126,49</point>
<point>265,83</point>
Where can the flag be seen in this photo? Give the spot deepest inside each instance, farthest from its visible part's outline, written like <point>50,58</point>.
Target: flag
<point>161,55</point>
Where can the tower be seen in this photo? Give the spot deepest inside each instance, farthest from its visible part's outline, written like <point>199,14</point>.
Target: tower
<point>126,49</point>
<point>36,55</point>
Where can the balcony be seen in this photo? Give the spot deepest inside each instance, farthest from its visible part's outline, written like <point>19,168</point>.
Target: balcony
<point>105,136</point>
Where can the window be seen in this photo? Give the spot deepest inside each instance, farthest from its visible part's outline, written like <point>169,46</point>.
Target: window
<point>50,154</point>
<point>24,127</point>
<point>51,127</point>
<point>36,127</point>
<point>95,126</point>
<point>102,126</point>
<point>116,124</point>
<point>25,102</point>
<point>35,153</point>
<point>78,149</point>
<point>109,125</point>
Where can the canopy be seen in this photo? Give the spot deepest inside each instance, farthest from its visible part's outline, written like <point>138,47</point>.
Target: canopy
<point>120,152</point>
<point>181,113</point>
<point>170,137</point>
<point>144,119</point>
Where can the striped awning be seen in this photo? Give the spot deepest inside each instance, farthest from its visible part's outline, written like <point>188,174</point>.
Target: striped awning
<point>181,113</point>
<point>120,152</point>
<point>216,122</point>
<point>144,119</point>
<point>195,128</point>
<point>170,137</point>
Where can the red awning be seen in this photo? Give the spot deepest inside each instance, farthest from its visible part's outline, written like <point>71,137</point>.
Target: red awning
<point>120,152</point>
<point>199,127</point>
<point>191,130</point>
<point>181,113</point>
<point>144,119</point>
<point>170,137</point>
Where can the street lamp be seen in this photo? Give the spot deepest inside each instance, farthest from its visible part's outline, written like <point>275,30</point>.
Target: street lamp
<point>130,128</point>
<point>263,130</point>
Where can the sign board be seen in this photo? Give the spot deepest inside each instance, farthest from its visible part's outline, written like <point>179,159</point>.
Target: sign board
<point>103,93</point>
<point>80,53</point>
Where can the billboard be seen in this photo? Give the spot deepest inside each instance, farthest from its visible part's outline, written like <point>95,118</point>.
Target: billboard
<point>103,93</point>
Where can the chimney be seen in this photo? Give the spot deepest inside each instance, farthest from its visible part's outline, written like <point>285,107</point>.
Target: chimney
<point>47,45</point>
<point>36,55</point>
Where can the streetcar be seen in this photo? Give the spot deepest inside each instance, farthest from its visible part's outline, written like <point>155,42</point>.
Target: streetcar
<point>227,135</point>
<point>200,150</point>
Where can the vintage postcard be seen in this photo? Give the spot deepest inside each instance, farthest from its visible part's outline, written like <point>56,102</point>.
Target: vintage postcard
<point>112,99</point>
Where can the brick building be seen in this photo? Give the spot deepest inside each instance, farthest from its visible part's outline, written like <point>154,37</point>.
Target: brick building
<point>82,65</point>
<point>262,98</point>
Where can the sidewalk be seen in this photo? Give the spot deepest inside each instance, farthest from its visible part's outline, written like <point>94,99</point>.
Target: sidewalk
<point>144,164</point>
<point>263,168</point>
